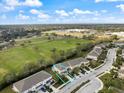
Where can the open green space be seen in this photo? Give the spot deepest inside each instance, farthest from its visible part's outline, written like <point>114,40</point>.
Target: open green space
<point>15,58</point>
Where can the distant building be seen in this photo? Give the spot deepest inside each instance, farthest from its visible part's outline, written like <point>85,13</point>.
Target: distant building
<point>33,83</point>
<point>4,45</point>
<point>118,44</point>
<point>119,34</point>
<point>63,67</point>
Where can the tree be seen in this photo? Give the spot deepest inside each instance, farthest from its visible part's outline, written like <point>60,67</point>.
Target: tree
<point>70,53</point>
<point>82,66</point>
<point>12,42</point>
<point>41,62</point>
<point>22,44</point>
<point>91,64</point>
<point>29,41</point>
<point>10,77</point>
<point>53,50</point>
<point>114,37</point>
<point>56,57</point>
<point>89,37</point>
<point>76,70</point>
<point>30,67</point>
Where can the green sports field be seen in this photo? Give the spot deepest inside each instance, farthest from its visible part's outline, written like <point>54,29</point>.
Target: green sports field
<point>14,59</point>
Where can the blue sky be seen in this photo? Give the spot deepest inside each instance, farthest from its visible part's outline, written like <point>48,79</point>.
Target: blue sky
<point>61,11</point>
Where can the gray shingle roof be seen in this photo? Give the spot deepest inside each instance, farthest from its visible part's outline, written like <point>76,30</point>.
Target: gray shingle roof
<point>95,52</point>
<point>72,63</point>
<point>4,44</point>
<point>77,61</point>
<point>30,81</point>
<point>101,45</point>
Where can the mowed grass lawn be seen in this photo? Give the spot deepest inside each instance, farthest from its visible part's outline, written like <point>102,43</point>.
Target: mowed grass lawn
<point>7,90</point>
<point>14,59</point>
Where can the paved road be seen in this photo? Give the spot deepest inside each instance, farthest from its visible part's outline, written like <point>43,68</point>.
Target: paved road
<point>111,57</point>
<point>93,85</point>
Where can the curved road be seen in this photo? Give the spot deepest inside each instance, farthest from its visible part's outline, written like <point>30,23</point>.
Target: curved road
<point>92,87</point>
<point>110,58</point>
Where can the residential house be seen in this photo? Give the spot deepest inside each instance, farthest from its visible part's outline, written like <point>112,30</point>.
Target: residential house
<point>101,45</point>
<point>33,83</point>
<point>63,67</point>
<point>95,53</point>
<point>77,62</point>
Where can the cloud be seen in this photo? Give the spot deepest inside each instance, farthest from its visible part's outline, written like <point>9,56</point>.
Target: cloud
<point>97,1</point>
<point>78,11</point>
<point>3,16</point>
<point>4,8</point>
<point>11,4</point>
<point>39,14</point>
<point>104,11</point>
<point>121,6</point>
<point>114,0</point>
<point>62,13</point>
<point>43,16</point>
<point>21,11</point>
<point>83,12</point>
<point>9,8</point>
<point>24,3</point>
<point>32,3</point>
<point>21,16</point>
<point>34,11</point>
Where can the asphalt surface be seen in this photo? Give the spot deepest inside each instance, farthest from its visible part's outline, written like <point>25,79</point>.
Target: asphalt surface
<point>91,87</point>
<point>111,57</point>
